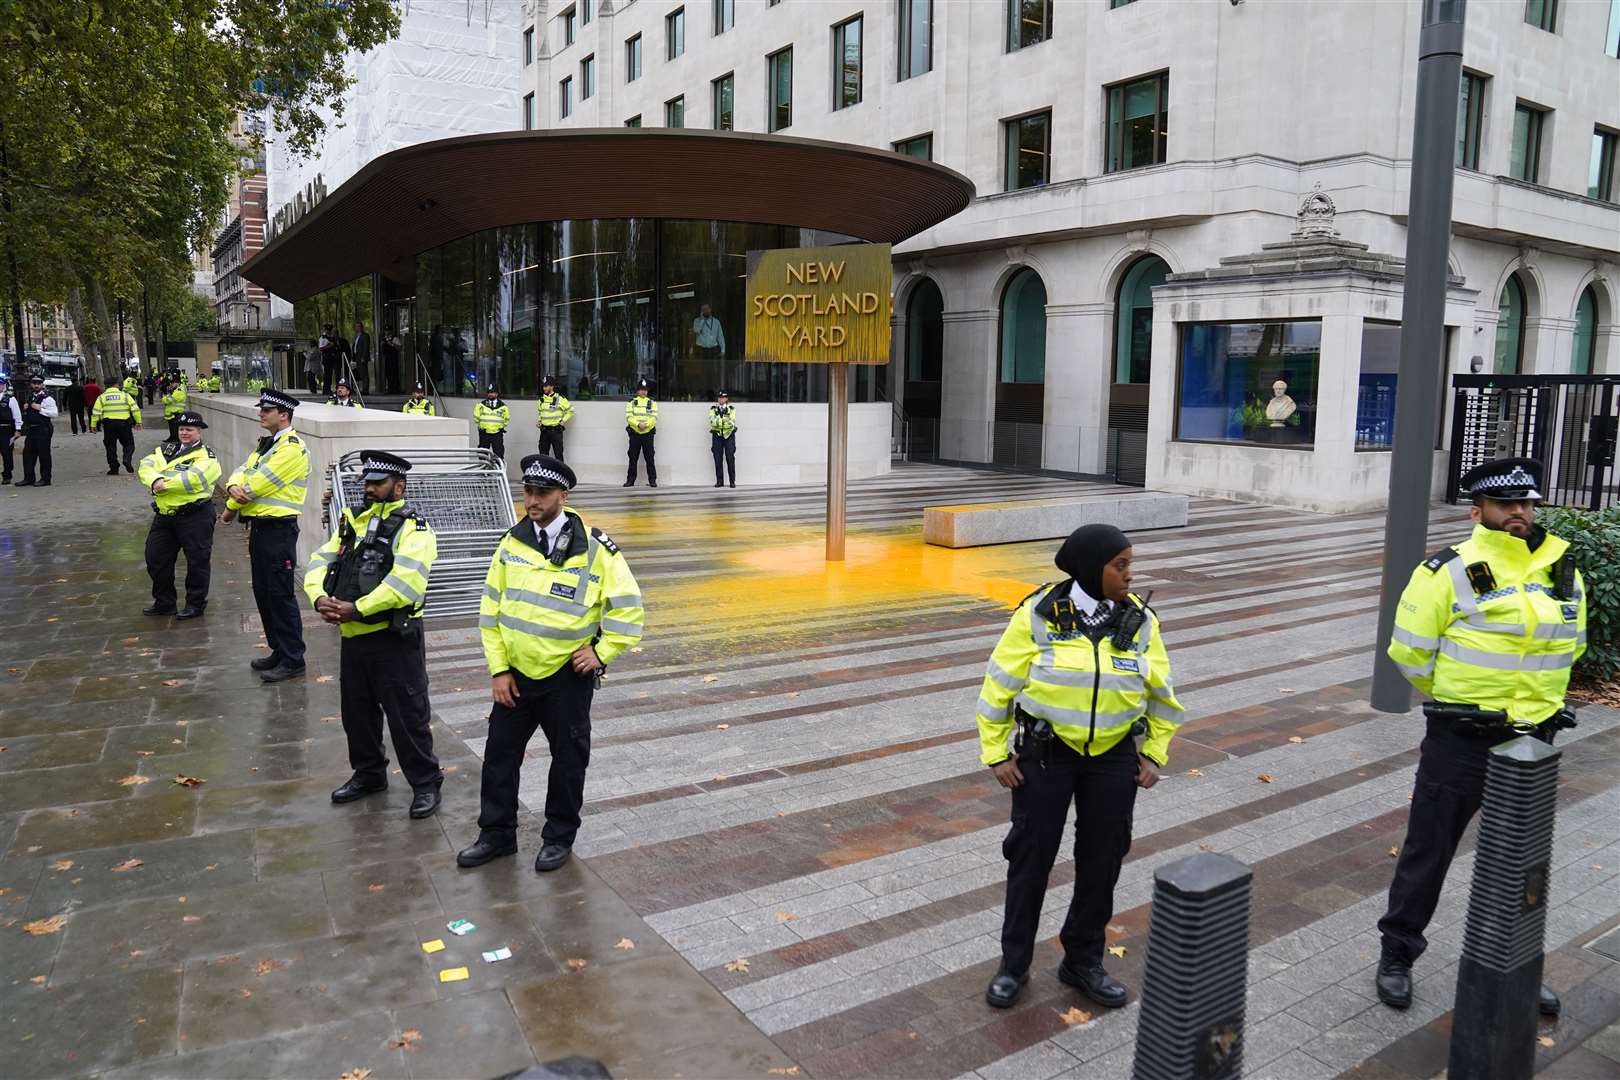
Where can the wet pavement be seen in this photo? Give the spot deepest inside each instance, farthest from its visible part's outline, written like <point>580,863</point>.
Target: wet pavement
<point>790,859</point>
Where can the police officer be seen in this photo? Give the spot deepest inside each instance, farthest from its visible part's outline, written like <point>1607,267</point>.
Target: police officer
<point>174,403</point>
<point>723,437</point>
<point>1488,629</point>
<point>10,422</point>
<point>181,477</point>
<point>37,412</point>
<point>370,580</point>
<point>343,396</point>
<point>419,404</point>
<point>559,605</point>
<point>268,492</point>
<point>492,415</point>
<point>552,413</point>
<point>1081,670</point>
<point>118,414</point>
<point>641,421</point>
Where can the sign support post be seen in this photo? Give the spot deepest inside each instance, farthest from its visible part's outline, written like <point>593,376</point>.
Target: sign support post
<point>837,456</point>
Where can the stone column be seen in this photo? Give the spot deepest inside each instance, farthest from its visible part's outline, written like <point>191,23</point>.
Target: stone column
<point>1079,362</point>
<point>968,385</point>
<point>1338,388</point>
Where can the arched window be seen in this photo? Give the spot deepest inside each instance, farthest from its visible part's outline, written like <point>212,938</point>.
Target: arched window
<point>1584,355</point>
<point>1510,328</point>
<point>1023,329</point>
<point>1133,319</point>
<point>925,332</point>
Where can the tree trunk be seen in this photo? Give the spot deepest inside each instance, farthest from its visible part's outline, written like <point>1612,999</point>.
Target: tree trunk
<point>95,362</point>
<point>137,319</point>
<point>105,341</point>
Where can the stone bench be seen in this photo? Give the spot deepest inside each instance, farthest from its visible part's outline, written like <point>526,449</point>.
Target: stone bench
<point>979,524</point>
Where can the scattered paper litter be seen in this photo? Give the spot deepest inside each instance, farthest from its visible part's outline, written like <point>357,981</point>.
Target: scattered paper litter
<point>453,974</point>
<point>460,927</point>
<point>436,945</point>
<point>494,955</point>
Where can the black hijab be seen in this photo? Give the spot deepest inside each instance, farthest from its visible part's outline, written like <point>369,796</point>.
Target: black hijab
<point>1087,550</point>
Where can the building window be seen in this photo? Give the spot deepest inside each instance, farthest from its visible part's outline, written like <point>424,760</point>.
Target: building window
<point>675,112</point>
<point>675,33</point>
<point>1029,22</point>
<point>847,63</point>
<point>634,121</point>
<point>1138,123</point>
<point>1600,181</point>
<point>723,93</point>
<point>1249,383</point>
<point>528,46</point>
<point>1470,119</point>
<point>1029,150</point>
<point>1510,328</point>
<point>916,37</point>
<point>725,15</point>
<point>779,85</point>
<point>1023,329</point>
<point>925,333</point>
<point>1119,3</point>
<point>919,146</point>
<point>1375,393</point>
<point>587,77</point>
<point>565,97</point>
<point>1524,163</point>
<point>1584,356</point>
<point>528,112</point>
<point>570,27</point>
<point>1611,41</point>
<point>1133,319</point>
<point>1542,14</point>
<point>585,12</point>
<point>632,58</point>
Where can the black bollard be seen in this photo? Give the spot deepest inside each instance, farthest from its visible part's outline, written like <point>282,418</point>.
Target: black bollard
<point>1196,978</point>
<point>1493,1030</point>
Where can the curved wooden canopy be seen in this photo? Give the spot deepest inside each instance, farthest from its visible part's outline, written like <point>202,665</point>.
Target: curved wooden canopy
<point>418,197</point>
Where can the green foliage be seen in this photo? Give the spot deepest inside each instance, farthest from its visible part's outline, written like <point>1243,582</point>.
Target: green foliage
<point>1594,545</point>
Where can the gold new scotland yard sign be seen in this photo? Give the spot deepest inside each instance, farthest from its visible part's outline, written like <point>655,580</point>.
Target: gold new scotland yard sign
<point>819,305</point>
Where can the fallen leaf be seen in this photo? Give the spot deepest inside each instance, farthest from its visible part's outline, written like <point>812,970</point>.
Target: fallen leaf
<point>783,1070</point>
<point>37,979</point>
<point>407,1040</point>
<point>179,899</point>
<point>266,966</point>
<point>1545,1040</point>
<point>191,918</point>
<point>635,648</point>
<point>76,880</point>
<point>1195,772</point>
<point>145,753</point>
<point>328,719</point>
<point>182,780</point>
<point>181,723</point>
<point>1295,739</point>
<point>374,887</point>
<point>323,678</point>
<point>132,640</point>
<point>62,864</point>
<point>624,943</point>
<point>1265,778</point>
<point>134,779</point>
<point>355,1073</point>
<point>1285,689</point>
<point>1117,950</point>
<point>1394,851</point>
<point>128,864</point>
<point>133,953</point>
<point>738,964</point>
<point>711,678</point>
<point>717,778</point>
<point>785,916</point>
<point>717,727</point>
<point>1075,1015</point>
<point>173,682</point>
<point>1594,866</point>
<point>244,992</point>
<point>793,693</point>
<point>575,964</point>
<point>41,927</point>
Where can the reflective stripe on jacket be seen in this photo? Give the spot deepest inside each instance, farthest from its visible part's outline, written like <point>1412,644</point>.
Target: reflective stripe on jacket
<point>275,477</point>
<point>1088,692</point>
<point>174,403</point>
<point>191,475</point>
<point>534,612</point>
<point>722,421</point>
<point>114,404</point>
<point>1508,648</point>
<point>419,407</point>
<point>641,414</point>
<point>492,419</point>
<point>415,548</point>
<point>552,410</point>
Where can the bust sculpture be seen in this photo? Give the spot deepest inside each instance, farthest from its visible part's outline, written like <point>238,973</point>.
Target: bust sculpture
<point>1281,406</point>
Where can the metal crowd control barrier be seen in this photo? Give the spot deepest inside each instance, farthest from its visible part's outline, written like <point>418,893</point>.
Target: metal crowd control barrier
<point>465,496</point>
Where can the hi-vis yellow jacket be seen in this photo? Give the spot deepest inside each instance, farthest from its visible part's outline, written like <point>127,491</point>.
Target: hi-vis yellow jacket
<point>114,404</point>
<point>1509,646</point>
<point>641,414</point>
<point>1088,692</point>
<point>492,419</point>
<point>191,475</point>
<point>537,609</point>
<point>553,410</point>
<point>174,402</point>
<point>274,474</point>
<point>419,406</point>
<point>406,584</point>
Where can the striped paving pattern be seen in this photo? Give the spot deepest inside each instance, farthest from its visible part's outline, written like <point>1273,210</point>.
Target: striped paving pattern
<point>785,780</point>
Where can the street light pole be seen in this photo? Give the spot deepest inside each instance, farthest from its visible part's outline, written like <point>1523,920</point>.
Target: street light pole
<point>1423,308</point>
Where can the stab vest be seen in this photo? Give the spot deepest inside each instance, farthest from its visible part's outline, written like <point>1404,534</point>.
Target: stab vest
<point>5,409</point>
<point>363,561</point>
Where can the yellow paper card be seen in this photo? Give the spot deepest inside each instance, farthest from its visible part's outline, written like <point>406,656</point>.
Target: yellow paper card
<point>432,946</point>
<point>453,974</point>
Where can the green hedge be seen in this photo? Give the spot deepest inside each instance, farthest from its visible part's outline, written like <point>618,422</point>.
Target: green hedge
<point>1594,544</point>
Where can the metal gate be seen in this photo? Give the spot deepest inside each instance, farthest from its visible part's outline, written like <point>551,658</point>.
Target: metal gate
<point>465,496</point>
<point>1567,422</point>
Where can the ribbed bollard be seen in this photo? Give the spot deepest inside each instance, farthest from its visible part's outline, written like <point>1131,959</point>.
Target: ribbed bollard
<point>1493,1031</point>
<point>1194,985</point>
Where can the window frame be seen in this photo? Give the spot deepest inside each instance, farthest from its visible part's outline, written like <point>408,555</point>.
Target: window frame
<point>1549,15</point>
<point>1181,376</point>
<point>676,102</point>
<point>569,17</point>
<point>1161,113</point>
<point>585,12</point>
<point>928,135</point>
<point>905,32</point>
<point>771,104</point>
<point>1535,134</point>
<point>528,111</point>
<point>633,121</point>
<point>528,46</point>
<point>838,48</point>
<point>587,77</point>
<point>565,97</point>
<point>632,57</point>
<point>1474,92</point>
<point>1012,146</point>
<point>1605,151</point>
<point>1015,11</point>
<point>675,34</point>
<point>725,16</point>
<point>730,80</point>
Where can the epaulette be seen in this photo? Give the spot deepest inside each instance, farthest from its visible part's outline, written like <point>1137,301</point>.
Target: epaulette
<point>1042,587</point>
<point>1435,561</point>
<point>603,539</point>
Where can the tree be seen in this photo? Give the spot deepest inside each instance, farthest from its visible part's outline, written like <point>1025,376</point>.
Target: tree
<point>115,131</point>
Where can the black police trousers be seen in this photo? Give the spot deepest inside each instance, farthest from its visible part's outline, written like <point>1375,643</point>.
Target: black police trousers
<point>1450,787</point>
<point>724,448</point>
<point>273,558</point>
<point>493,440</point>
<point>7,433</point>
<point>191,529</point>
<point>37,452</point>
<point>551,441</point>
<point>383,676</point>
<point>560,706</point>
<point>1103,791</point>
<point>119,435</point>
<point>643,445</point>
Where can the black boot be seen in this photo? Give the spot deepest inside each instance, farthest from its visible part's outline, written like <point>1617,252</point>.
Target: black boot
<point>424,802</point>
<point>1549,1003</point>
<point>356,788</point>
<point>1004,989</point>
<point>264,663</point>
<point>484,850</point>
<point>1393,981</point>
<point>1095,983</point>
<point>551,856</point>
